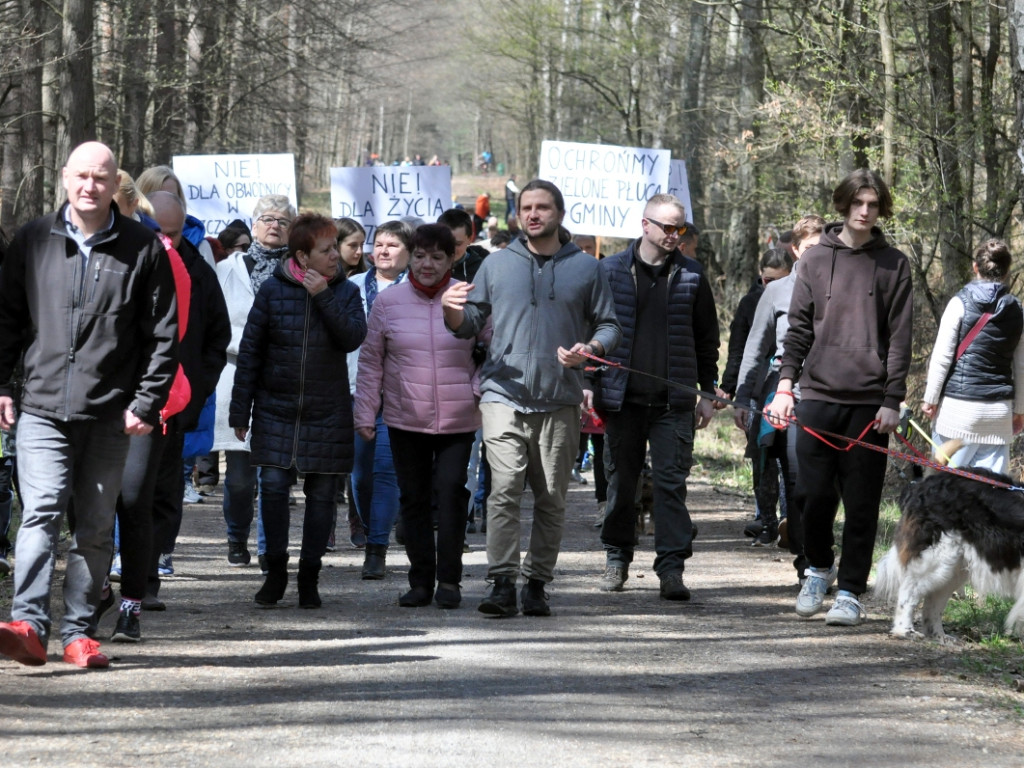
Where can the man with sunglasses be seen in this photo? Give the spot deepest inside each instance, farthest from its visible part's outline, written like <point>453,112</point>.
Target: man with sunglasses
<point>669,334</point>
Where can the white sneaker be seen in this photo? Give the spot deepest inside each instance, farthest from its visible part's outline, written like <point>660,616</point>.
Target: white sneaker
<point>812,593</point>
<point>191,495</point>
<point>846,611</point>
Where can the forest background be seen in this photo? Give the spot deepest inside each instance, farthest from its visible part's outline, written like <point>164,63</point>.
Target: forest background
<point>770,102</point>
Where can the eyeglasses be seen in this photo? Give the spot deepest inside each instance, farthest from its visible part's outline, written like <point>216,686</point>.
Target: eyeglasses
<point>421,254</point>
<point>670,229</point>
<point>268,220</point>
<point>766,280</point>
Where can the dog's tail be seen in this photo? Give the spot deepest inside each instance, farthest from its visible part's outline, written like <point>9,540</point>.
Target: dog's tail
<point>888,575</point>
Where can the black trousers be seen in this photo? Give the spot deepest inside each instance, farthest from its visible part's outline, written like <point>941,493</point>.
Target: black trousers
<point>167,507</point>
<point>825,476</point>
<point>135,510</point>
<point>432,466</point>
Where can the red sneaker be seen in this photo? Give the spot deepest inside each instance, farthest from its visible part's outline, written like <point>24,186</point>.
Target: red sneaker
<point>85,653</point>
<point>19,641</point>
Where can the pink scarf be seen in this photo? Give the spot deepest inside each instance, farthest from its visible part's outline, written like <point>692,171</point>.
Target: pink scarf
<point>296,271</point>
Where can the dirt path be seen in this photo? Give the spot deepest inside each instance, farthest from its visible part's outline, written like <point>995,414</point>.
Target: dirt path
<point>731,678</point>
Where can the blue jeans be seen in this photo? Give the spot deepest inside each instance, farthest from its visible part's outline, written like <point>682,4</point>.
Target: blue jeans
<point>993,457</point>
<point>275,484</point>
<point>375,485</point>
<point>58,460</point>
<point>239,489</point>
<point>670,434</point>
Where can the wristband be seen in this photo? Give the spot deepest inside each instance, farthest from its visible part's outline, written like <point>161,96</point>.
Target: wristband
<point>784,392</point>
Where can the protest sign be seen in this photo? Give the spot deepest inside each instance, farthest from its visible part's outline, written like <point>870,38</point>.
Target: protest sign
<point>373,195</point>
<point>679,185</point>
<point>222,188</point>
<point>605,187</point>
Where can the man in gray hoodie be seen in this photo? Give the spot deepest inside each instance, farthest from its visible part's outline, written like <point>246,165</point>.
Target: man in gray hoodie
<point>548,302</point>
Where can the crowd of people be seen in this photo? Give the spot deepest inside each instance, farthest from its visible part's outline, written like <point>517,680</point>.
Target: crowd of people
<point>135,354</point>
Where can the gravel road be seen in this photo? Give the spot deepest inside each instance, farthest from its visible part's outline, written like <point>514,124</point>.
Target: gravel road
<point>732,678</point>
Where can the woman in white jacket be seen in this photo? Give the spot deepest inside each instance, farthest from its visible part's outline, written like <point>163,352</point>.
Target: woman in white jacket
<point>241,275</point>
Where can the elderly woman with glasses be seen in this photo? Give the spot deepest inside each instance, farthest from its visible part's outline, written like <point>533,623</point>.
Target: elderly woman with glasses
<point>241,276</point>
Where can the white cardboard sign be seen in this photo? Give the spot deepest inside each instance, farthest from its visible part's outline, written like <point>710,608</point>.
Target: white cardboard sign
<point>222,188</point>
<point>605,187</point>
<point>373,195</point>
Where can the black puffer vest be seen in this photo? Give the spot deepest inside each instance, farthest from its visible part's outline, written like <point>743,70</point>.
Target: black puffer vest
<point>683,279</point>
<point>985,371</point>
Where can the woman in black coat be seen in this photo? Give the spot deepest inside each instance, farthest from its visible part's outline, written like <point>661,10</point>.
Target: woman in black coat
<point>292,377</point>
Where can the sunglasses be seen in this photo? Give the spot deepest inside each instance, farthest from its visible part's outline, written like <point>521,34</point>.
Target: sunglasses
<point>670,229</point>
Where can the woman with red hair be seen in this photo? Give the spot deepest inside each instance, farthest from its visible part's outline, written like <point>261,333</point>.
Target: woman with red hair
<point>292,379</point>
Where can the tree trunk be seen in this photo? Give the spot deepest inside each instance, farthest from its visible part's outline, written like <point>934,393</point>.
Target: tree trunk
<point>30,200</point>
<point>135,87</point>
<point>165,102</point>
<point>1015,9</point>
<point>889,99</point>
<point>77,97</point>
<point>742,251</point>
<point>951,226</point>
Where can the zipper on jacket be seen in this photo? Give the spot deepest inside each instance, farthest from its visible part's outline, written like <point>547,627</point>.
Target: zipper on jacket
<point>95,280</point>
<point>302,380</point>
<point>78,277</point>
<point>433,368</point>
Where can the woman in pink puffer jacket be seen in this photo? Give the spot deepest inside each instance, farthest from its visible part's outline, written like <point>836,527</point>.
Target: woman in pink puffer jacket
<point>427,381</point>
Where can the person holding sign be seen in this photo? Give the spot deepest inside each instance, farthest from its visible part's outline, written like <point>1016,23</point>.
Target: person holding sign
<point>241,275</point>
<point>543,295</point>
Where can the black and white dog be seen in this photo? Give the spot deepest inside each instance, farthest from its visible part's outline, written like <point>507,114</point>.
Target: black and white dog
<point>953,531</point>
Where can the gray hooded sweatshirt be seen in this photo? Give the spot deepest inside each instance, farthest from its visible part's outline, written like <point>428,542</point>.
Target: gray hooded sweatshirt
<point>534,310</point>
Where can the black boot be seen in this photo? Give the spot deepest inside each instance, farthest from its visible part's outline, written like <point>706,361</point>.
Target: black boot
<point>535,599</point>
<point>373,564</point>
<point>502,600</point>
<point>309,575</point>
<point>277,580</point>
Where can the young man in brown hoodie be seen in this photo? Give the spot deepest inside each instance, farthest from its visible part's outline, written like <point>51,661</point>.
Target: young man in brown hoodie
<point>848,346</point>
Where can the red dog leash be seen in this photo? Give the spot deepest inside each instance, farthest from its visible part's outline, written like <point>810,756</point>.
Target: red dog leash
<point>820,434</point>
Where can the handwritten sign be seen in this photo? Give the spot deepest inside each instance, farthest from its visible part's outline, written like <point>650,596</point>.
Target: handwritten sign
<point>679,185</point>
<point>373,195</point>
<point>222,188</point>
<point>605,187</point>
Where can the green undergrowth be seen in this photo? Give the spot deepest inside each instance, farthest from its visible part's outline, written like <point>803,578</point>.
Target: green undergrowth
<point>718,455</point>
